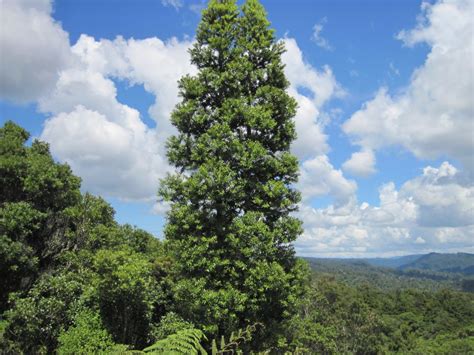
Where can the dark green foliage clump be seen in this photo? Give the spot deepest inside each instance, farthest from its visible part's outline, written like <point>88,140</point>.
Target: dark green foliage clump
<point>72,279</point>
<point>36,196</point>
<point>87,335</point>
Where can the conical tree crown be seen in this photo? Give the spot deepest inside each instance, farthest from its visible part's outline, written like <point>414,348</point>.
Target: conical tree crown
<point>230,226</point>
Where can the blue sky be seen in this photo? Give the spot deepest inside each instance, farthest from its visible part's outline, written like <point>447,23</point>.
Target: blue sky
<point>385,120</point>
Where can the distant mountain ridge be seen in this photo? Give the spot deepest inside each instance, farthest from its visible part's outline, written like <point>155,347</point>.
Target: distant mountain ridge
<point>433,271</point>
<point>440,262</point>
<point>459,262</point>
<point>394,262</point>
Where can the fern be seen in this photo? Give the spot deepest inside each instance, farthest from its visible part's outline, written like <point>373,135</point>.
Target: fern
<point>187,341</point>
<point>235,339</point>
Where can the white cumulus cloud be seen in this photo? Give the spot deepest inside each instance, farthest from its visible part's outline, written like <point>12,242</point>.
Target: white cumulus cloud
<point>33,49</point>
<point>433,211</point>
<point>312,88</point>
<point>434,115</point>
<point>112,159</point>
<point>319,178</point>
<point>361,163</point>
<point>105,141</point>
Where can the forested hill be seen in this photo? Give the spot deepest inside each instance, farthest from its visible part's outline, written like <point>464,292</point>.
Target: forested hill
<point>401,273</point>
<point>459,262</point>
<point>440,262</point>
<point>393,262</point>
<point>410,311</point>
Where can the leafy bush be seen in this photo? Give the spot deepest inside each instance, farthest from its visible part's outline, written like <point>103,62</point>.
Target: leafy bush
<point>87,335</point>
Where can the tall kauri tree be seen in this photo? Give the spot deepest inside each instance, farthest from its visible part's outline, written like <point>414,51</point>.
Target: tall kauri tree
<point>229,227</point>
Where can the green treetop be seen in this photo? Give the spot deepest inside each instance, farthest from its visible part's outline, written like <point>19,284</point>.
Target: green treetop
<point>229,227</point>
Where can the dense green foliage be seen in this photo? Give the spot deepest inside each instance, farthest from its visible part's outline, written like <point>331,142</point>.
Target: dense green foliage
<point>337,318</point>
<point>71,276</point>
<point>225,280</point>
<point>88,336</point>
<point>36,199</point>
<point>230,228</point>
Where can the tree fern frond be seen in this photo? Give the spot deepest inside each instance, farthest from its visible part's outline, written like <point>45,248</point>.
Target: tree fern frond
<point>235,340</point>
<point>187,341</point>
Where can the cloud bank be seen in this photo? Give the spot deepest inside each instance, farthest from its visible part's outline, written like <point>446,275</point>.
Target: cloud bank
<point>433,211</point>
<point>107,143</point>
